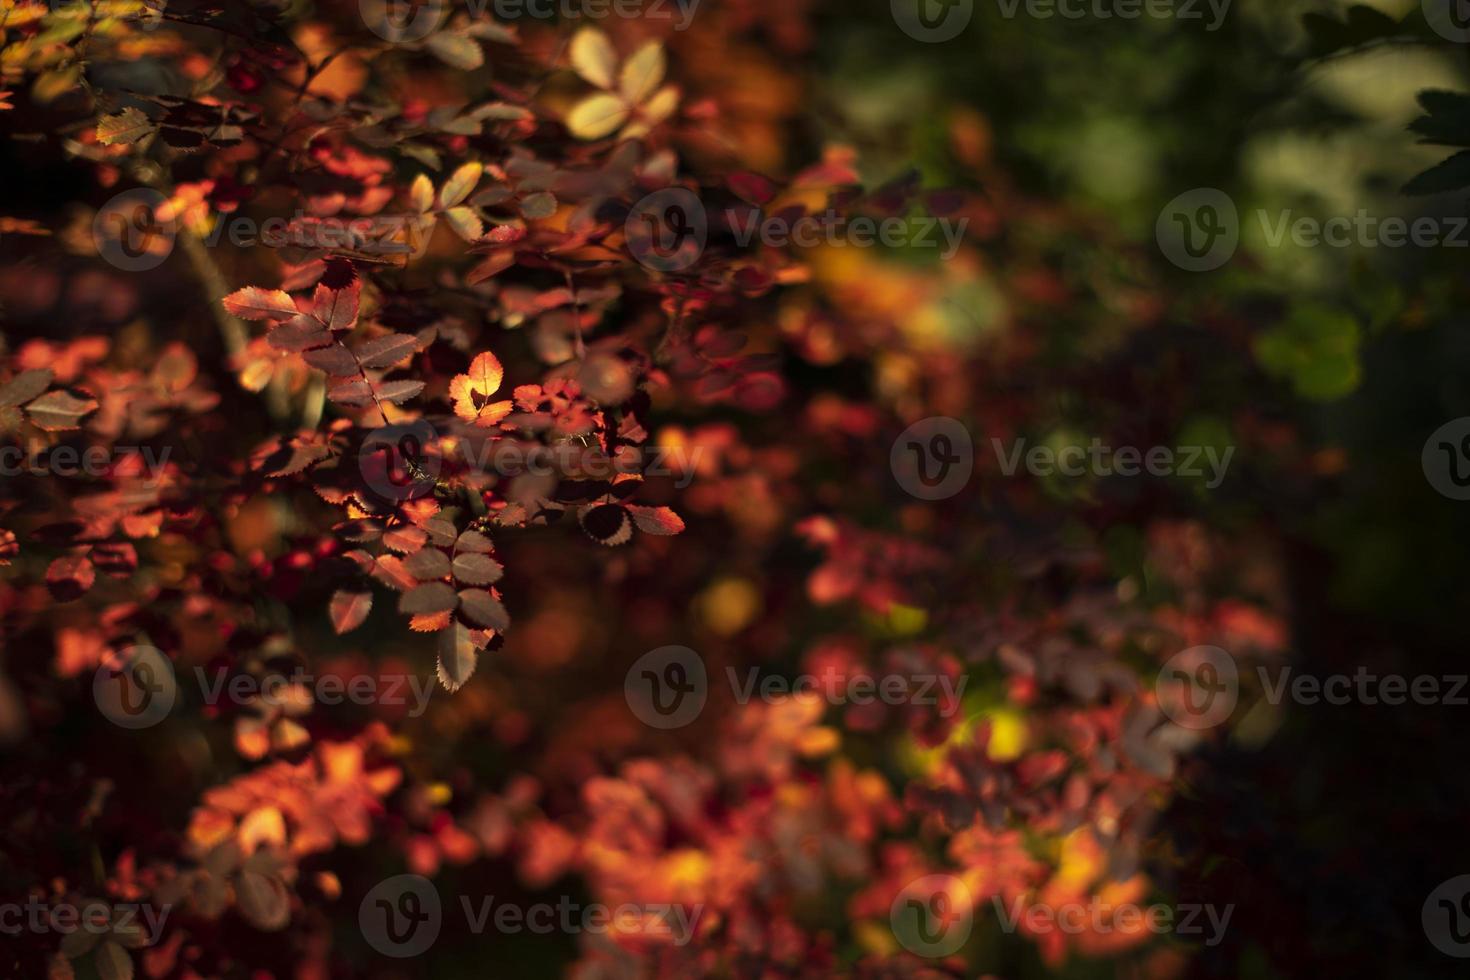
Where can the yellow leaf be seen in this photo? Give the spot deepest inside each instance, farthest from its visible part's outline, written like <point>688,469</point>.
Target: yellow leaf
<point>593,57</point>
<point>652,112</point>
<point>421,193</point>
<point>456,50</point>
<point>596,116</point>
<point>256,375</point>
<point>464,223</point>
<point>459,184</point>
<point>661,106</point>
<point>642,73</point>
<point>54,84</point>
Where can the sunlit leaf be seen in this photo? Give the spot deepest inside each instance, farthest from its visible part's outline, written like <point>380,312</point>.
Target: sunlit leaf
<point>596,116</point>
<point>593,57</point>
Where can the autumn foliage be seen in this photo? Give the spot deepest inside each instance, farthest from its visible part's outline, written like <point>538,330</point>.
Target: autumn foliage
<point>340,419</point>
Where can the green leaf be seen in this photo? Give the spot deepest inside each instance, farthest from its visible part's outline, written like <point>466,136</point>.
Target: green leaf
<point>1317,349</point>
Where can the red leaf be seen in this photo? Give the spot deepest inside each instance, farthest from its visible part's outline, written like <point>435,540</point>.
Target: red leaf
<point>335,360</point>
<point>656,520</point>
<point>69,577</point>
<point>337,308</point>
<point>349,609</point>
<point>384,352</point>
<point>300,333</point>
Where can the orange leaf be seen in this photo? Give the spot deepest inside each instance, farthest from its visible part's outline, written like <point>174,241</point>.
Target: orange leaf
<point>254,303</point>
<point>471,392</point>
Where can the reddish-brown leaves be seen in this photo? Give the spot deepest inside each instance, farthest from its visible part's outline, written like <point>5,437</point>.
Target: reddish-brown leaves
<point>59,410</point>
